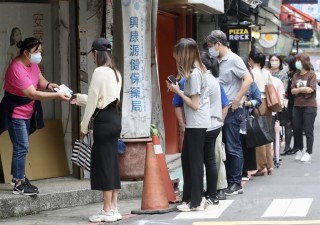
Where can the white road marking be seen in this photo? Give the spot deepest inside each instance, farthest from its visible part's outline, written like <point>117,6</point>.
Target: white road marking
<point>288,208</point>
<point>213,211</point>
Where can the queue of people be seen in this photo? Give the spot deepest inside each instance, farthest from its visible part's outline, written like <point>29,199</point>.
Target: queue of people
<point>216,91</point>
<point>244,83</point>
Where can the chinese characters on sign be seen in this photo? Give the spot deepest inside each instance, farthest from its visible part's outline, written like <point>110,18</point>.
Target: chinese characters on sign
<point>135,65</point>
<point>38,32</point>
<point>136,110</point>
<point>38,25</point>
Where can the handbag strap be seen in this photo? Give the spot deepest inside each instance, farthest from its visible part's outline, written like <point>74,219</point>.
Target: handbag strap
<point>259,113</point>
<point>270,79</point>
<point>91,121</point>
<point>95,114</point>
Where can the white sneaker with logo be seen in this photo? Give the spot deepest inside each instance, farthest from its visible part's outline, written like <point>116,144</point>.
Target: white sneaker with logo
<point>103,216</point>
<point>299,155</point>
<point>306,157</point>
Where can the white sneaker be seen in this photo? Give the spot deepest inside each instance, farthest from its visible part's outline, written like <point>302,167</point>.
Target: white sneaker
<point>103,216</point>
<point>203,205</point>
<point>184,207</point>
<point>117,214</point>
<point>299,155</point>
<point>306,157</point>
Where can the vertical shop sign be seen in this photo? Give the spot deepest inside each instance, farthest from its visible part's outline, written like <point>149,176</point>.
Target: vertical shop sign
<point>137,94</point>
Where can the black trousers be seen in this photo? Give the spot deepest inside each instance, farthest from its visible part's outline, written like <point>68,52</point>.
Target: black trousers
<point>192,165</point>
<point>210,161</point>
<point>303,119</point>
<point>249,157</point>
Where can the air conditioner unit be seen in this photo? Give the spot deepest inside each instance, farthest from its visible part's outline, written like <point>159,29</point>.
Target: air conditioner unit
<point>198,6</point>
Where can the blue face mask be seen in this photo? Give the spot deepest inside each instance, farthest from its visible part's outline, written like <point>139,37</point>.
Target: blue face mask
<point>298,65</point>
<point>36,58</point>
<point>213,52</point>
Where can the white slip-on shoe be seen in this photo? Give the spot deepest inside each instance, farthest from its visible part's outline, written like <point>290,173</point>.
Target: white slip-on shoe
<point>306,157</point>
<point>103,216</point>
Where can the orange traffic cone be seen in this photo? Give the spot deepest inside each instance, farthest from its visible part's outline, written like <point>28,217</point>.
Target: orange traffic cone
<point>163,169</point>
<point>154,195</point>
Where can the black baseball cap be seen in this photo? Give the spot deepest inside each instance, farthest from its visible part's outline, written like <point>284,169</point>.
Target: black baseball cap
<point>101,44</point>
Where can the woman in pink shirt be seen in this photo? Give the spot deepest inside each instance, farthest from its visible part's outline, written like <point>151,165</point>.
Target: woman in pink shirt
<point>20,108</point>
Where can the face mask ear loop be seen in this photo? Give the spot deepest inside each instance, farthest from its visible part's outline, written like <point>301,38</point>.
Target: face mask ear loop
<point>26,55</point>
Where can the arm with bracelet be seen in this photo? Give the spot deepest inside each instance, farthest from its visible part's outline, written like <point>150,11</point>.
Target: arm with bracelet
<point>44,84</point>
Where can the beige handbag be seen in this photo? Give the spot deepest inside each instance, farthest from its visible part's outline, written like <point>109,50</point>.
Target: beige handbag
<point>273,100</point>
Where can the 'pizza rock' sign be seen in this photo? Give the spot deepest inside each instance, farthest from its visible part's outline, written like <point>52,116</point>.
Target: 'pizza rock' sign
<point>239,34</point>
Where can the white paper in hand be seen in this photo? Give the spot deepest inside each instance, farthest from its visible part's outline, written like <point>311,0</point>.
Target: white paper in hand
<point>64,89</point>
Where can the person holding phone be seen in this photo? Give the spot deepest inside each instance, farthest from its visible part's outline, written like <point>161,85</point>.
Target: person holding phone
<point>197,114</point>
<point>172,79</point>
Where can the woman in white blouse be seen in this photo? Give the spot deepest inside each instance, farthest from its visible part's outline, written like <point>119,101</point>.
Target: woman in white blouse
<point>101,106</point>
<point>261,77</point>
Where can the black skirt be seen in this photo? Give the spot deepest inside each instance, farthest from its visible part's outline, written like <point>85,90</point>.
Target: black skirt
<point>105,174</point>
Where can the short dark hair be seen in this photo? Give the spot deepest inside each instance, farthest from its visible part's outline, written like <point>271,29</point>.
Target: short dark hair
<point>305,61</point>
<point>211,63</point>
<point>258,57</point>
<point>29,43</point>
<point>217,36</point>
<point>291,61</point>
<point>280,60</point>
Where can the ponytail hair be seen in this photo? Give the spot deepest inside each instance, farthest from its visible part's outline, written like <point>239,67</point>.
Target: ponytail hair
<point>257,57</point>
<point>30,43</point>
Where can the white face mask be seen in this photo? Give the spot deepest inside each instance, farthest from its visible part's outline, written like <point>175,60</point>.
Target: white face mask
<point>213,52</point>
<point>285,68</point>
<point>36,58</point>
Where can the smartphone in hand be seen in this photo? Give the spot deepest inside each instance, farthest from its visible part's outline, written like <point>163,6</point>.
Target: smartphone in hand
<point>172,79</point>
